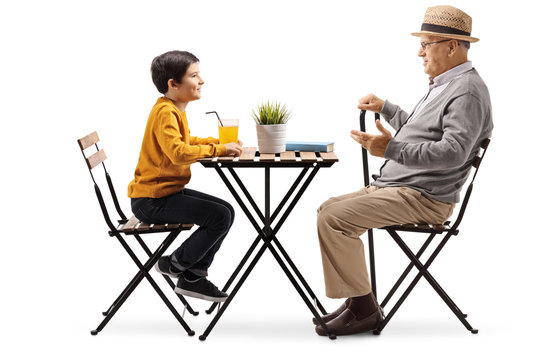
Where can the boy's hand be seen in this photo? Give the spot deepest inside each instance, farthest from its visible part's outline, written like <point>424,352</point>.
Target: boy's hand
<point>234,149</point>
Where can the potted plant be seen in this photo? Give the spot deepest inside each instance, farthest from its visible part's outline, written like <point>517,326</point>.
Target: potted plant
<point>271,119</point>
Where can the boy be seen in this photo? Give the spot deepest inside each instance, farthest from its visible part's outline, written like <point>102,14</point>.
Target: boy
<point>158,193</point>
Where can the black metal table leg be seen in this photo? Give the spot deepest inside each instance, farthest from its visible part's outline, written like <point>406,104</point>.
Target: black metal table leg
<point>277,211</point>
<point>267,234</point>
<point>233,293</point>
<point>299,276</point>
<point>261,216</point>
<point>236,271</point>
<point>300,291</point>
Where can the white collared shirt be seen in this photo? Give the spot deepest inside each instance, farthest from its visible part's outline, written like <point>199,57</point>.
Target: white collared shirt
<point>439,84</point>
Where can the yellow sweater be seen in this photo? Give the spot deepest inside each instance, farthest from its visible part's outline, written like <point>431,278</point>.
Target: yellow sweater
<point>167,151</point>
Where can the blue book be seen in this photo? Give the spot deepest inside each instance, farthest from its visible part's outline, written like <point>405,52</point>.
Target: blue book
<point>310,146</point>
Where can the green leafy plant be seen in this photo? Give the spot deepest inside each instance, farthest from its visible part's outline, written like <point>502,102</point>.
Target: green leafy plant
<point>271,114</point>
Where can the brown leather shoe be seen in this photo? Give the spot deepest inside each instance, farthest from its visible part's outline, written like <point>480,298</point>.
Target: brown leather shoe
<point>347,324</point>
<point>331,316</point>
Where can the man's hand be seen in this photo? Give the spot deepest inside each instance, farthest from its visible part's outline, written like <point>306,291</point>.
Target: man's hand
<point>375,144</point>
<point>234,149</point>
<point>371,102</point>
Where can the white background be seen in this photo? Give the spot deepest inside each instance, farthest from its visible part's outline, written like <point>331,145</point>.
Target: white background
<point>70,68</point>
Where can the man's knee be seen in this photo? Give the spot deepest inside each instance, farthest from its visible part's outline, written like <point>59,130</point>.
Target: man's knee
<point>328,217</point>
<point>345,220</point>
<point>323,206</point>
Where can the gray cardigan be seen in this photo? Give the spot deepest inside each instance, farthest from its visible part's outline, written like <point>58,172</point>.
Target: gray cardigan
<point>434,152</point>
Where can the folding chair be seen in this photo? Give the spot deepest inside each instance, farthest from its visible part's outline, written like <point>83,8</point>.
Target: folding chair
<point>133,227</point>
<point>446,230</point>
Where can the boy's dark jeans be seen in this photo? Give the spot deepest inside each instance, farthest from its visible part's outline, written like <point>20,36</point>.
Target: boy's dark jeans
<point>213,216</point>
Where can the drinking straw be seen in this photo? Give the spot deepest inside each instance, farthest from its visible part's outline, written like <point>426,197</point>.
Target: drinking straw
<point>210,112</point>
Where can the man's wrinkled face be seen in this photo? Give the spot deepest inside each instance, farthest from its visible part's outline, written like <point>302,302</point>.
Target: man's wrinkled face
<point>435,52</point>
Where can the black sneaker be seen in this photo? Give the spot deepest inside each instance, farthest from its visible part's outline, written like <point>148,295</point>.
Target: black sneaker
<point>165,267</point>
<point>201,289</point>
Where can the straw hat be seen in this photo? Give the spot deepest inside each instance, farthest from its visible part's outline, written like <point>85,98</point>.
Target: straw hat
<point>448,22</point>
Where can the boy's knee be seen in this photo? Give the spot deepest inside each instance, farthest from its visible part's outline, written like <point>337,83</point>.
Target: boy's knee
<point>222,219</point>
<point>231,211</point>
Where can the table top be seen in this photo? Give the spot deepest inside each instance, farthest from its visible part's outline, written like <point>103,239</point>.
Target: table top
<point>252,158</point>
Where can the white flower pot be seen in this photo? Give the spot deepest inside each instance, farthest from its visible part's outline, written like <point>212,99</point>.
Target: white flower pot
<point>271,138</point>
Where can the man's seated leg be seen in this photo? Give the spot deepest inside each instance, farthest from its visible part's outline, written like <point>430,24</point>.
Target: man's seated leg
<point>340,223</point>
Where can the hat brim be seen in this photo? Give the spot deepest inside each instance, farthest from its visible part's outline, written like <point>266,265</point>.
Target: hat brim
<point>448,36</point>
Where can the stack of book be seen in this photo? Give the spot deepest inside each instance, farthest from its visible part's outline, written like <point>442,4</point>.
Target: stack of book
<point>310,146</point>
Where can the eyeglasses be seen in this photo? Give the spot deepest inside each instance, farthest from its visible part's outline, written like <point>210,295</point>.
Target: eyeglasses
<point>425,45</point>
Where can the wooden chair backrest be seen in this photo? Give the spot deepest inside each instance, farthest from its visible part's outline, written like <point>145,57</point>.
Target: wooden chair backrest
<point>98,157</point>
<point>92,161</point>
<point>128,226</point>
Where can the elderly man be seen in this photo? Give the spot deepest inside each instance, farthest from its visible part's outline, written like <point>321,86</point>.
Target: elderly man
<point>428,161</point>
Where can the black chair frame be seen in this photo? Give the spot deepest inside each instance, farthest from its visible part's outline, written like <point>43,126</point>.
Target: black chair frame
<point>446,230</point>
<point>135,228</point>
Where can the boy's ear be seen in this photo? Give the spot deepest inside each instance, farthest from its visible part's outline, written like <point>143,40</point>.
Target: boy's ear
<point>172,84</point>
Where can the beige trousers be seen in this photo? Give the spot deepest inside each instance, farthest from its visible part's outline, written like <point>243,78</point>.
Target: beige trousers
<point>341,220</point>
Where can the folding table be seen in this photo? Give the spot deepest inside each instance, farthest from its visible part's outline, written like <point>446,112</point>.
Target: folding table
<point>309,163</point>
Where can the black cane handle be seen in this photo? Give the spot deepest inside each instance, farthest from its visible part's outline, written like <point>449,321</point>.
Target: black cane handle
<point>364,151</point>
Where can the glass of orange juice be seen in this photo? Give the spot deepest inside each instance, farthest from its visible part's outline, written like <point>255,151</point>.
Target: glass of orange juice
<point>228,131</point>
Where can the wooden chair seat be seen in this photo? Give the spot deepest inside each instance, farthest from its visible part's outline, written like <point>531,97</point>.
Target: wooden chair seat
<point>422,228</point>
<point>134,225</point>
